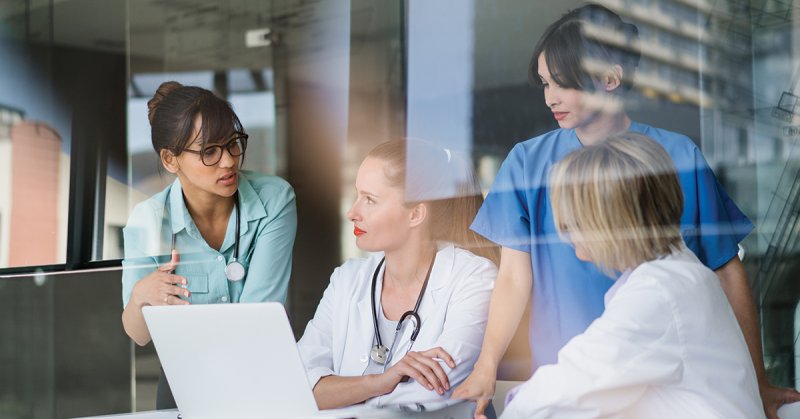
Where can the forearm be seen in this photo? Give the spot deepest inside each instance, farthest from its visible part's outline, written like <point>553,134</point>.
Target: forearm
<point>134,324</point>
<point>734,282</point>
<point>334,391</point>
<point>507,306</point>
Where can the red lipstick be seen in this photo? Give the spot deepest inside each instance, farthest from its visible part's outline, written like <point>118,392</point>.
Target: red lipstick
<point>357,231</point>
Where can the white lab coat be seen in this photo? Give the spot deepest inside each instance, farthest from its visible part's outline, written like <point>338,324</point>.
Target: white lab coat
<point>453,312</point>
<point>667,346</point>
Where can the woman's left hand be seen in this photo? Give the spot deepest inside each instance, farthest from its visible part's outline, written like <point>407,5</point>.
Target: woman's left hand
<point>424,368</point>
<point>774,397</point>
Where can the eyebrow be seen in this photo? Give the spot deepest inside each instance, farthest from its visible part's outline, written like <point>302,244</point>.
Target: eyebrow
<point>366,193</point>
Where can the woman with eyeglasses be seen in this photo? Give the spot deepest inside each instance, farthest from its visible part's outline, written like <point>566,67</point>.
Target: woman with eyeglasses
<point>217,234</point>
<point>404,326</point>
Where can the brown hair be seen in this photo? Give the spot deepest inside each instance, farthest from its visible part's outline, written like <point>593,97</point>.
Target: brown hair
<point>569,51</point>
<point>172,112</point>
<point>620,200</point>
<point>445,183</point>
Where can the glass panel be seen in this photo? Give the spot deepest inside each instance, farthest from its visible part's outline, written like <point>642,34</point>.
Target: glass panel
<point>225,47</point>
<point>316,85</point>
<point>35,136</point>
<point>60,62</point>
<point>723,73</point>
<point>774,155</point>
<point>61,79</point>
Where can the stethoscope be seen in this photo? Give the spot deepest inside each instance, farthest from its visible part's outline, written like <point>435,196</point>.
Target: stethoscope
<point>234,270</point>
<point>380,354</point>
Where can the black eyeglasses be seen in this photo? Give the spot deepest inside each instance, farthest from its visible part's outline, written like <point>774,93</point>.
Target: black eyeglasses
<point>212,154</point>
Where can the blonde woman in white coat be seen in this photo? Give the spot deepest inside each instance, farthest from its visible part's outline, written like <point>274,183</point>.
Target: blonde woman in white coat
<point>413,208</point>
<point>668,344</point>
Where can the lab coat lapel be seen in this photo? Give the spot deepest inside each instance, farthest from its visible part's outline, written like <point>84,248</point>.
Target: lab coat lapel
<point>440,276</point>
<point>361,330</point>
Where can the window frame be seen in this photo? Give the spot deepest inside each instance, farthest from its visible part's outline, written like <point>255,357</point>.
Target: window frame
<point>88,160</point>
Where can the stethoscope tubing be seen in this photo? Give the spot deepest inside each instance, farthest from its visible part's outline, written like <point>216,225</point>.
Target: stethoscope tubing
<point>234,270</point>
<point>413,314</point>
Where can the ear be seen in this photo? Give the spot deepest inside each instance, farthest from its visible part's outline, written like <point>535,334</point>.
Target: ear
<point>612,78</point>
<point>418,215</point>
<point>169,161</point>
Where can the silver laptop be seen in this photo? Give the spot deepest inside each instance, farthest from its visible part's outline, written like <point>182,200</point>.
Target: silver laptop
<point>241,361</point>
<point>231,360</point>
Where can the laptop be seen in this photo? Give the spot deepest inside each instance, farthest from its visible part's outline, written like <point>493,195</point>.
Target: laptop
<point>232,361</point>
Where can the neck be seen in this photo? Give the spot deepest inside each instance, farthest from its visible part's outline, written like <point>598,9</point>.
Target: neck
<point>601,127</point>
<point>408,265</point>
<point>207,207</point>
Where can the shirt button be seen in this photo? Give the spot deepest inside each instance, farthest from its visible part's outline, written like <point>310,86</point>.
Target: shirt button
<point>224,298</point>
<point>363,358</point>
<point>220,258</point>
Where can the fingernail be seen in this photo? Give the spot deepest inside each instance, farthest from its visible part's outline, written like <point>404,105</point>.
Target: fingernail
<point>430,387</point>
<point>183,282</point>
<point>186,294</point>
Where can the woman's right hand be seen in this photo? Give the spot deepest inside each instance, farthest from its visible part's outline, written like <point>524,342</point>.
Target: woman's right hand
<point>161,287</point>
<point>423,367</point>
<point>479,386</point>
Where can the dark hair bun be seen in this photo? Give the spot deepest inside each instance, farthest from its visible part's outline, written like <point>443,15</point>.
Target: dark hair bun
<point>161,93</point>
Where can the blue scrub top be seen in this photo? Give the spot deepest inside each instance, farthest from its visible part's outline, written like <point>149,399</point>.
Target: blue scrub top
<point>567,292</point>
<point>268,226</point>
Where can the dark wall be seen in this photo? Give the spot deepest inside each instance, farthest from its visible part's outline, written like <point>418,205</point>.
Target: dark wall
<point>506,115</point>
<point>63,352</point>
<point>93,353</point>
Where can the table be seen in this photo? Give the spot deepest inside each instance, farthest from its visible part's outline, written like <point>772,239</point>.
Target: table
<point>457,411</point>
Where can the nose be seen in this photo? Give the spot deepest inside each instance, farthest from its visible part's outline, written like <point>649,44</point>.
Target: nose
<point>352,213</point>
<point>227,159</point>
<point>551,96</point>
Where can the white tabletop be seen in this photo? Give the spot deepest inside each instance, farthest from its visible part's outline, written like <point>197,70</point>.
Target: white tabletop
<point>460,410</point>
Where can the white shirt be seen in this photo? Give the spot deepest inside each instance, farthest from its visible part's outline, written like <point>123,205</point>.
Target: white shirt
<point>453,313</point>
<point>667,346</point>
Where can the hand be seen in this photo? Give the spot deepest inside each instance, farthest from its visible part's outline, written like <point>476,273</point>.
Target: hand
<point>424,368</point>
<point>479,386</point>
<point>774,397</point>
<point>161,286</point>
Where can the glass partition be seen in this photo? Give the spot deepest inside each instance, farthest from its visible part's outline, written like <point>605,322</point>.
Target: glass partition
<point>317,85</point>
<point>723,73</point>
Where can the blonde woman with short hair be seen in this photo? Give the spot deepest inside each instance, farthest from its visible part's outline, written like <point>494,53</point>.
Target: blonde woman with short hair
<point>668,344</point>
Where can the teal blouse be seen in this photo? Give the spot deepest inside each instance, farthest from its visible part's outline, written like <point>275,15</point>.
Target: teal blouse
<point>268,226</point>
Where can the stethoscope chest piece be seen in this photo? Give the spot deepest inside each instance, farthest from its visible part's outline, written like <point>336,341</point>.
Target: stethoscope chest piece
<point>378,354</point>
<point>234,271</point>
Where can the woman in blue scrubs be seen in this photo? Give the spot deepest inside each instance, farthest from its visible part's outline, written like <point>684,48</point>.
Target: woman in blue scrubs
<point>218,234</point>
<point>583,79</point>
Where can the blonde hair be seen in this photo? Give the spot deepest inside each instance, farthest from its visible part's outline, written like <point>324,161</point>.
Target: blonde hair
<point>445,183</point>
<point>619,200</point>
